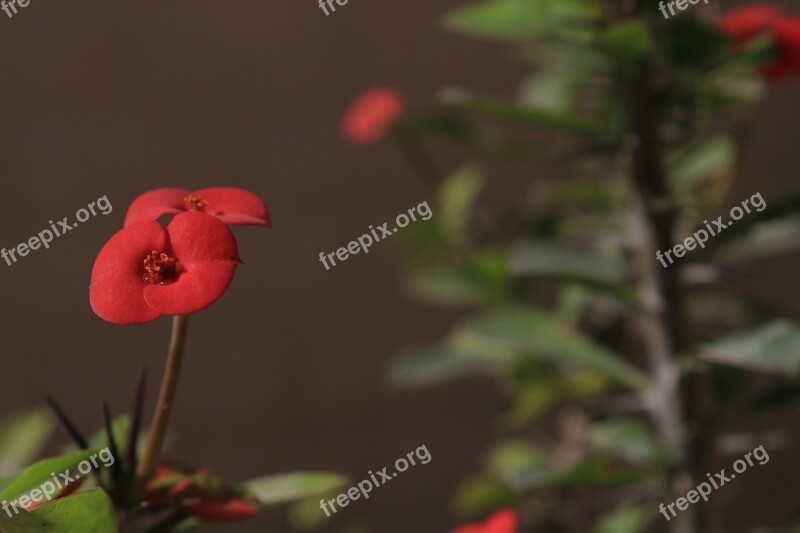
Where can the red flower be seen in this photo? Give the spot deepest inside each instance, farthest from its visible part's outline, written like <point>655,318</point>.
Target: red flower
<point>229,204</point>
<point>223,509</point>
<point>145,271</point>
<point>371,115</point>
<point>503,521</point>
<point>744,24</point>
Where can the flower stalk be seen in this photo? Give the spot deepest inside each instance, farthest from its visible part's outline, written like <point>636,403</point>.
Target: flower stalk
<point>166,398</point>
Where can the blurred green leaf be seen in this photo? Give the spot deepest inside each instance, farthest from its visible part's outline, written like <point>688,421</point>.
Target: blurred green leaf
<point>22,438</point>
<point>457,197</point>
<point>704,164</point>
<point>282,488</point>
<point>88,511</point>
<point>519,464</point>
<point>482,278</point>
<point>481,495</point>
<point>548,259</point>
<point>600,471</point>
<point>519,19</point>
<point>772,348</point>
<point>692,42</point>
<point>537,118</point>
<point>625,519</point>
<point>627,43</point>
<point>767,238</point>
<point>536,334</point>
<point>39,472</point>
<point>436,364</point>
<point>626,438</point>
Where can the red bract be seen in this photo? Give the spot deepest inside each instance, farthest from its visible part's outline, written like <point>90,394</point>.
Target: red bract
<point>504,521</point>
<point>145,271</point>
<point>229,204</point>
<point>744,24</point>
<point>371,115</point>
<point>222,509</point>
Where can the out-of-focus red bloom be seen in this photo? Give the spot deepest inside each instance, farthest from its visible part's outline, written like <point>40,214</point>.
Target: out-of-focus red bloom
<point>200,494</point>
<point>371,115</point>
<point>146,271</point>
<point>503,521</point>
<point>229,204</point>
<point>222,509</point>
<point>746,23</point>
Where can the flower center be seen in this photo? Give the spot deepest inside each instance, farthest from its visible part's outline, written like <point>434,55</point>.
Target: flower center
<point>194,203</point>
<point>160,268</point>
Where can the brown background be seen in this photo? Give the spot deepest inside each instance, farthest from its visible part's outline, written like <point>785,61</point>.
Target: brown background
<point>286,371</point>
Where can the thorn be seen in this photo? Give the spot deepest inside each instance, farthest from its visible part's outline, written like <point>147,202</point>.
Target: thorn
<point>67,423</point>
<point>136,420</point>
<point>112,444</point>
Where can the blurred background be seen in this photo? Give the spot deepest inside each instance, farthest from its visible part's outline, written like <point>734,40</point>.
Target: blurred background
<point>287,371</point>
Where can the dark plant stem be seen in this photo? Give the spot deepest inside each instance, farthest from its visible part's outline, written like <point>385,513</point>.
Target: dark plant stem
<point>169,385</point>
<point>663,325</point>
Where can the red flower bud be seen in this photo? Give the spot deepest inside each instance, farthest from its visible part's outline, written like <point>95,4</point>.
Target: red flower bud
<point>371,115</point>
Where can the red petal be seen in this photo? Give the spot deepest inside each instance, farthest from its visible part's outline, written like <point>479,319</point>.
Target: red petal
<point>371,115</point>
<point>745,23</point>
<point>504,521</point>
<point>786,32</point>
<point>197,237</point>
<point>116,292</point>
<point>151,205</point>
<point>223,509</point>
<point>234,206</point>
<point>200,285</point>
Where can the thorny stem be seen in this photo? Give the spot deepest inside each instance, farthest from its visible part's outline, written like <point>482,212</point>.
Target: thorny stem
<point>169,385</point>
<point>662,323</point>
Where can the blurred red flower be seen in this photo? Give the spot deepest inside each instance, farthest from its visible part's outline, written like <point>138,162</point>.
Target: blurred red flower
<point>145,271</point>
<point>222,509</point>
<point>371,115</point>
<point>229,204</point>
<point>746,23</point>
<point>200,494</point>
<point>503,521</point>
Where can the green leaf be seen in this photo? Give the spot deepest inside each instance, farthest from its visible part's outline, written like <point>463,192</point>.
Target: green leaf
<point>22,438</point>
<point>437,364</point>
<point>554,260</point>
<point>627,43</point>
<point>519,19</point>
<point>520,464</point>
<point>40,472</point>
<point>283,488</point>
<point>767,238</point>
<point>600,471</point>
<point>481,495</point>
<point>528,116</point>
<point>90,511</point>
<point>772,348</point>
<point>457,197</point>
<point>692,42</point>
<point>704,164</point>
<point>482,278</point>
<point>626,438</point>
<point>535,334</point>
<point>625,519</point>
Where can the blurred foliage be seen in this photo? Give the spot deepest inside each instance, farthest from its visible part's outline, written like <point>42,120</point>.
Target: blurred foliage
<point>554,283</point>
